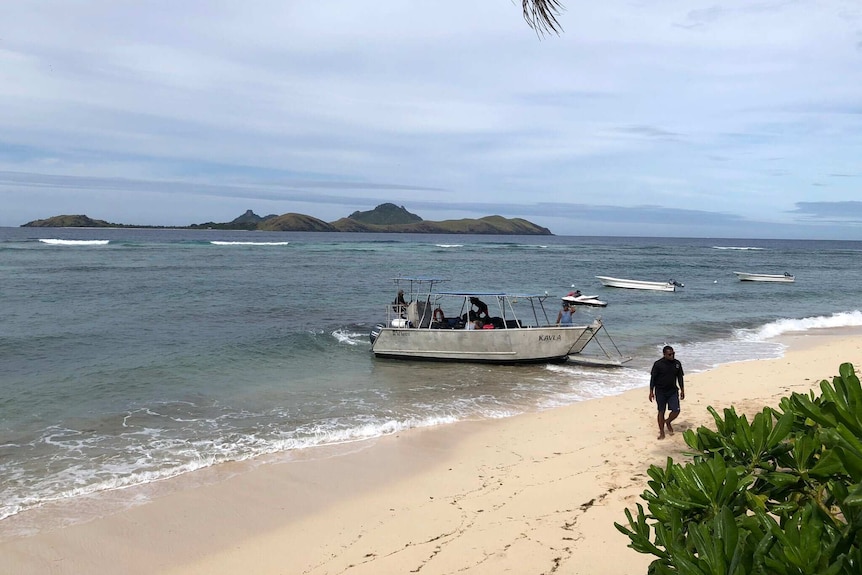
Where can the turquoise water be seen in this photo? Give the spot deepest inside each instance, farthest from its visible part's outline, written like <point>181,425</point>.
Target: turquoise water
<point>132,355</point>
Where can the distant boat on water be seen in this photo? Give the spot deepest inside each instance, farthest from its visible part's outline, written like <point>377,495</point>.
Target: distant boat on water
<point>577,298</point>
<point>669,285</point>
<point>749,277</point>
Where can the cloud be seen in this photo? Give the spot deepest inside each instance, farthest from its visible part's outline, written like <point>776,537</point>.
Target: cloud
<point>636,111</point>
<point>649,132</point>
<point>320,193</point>
<point>830,212</point>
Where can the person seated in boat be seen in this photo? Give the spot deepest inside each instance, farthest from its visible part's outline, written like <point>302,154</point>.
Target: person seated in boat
<point>565,315</point>
<point>481,307</point>
<point>439,319</point>
<point>399,306</point>
<point>475,324</point>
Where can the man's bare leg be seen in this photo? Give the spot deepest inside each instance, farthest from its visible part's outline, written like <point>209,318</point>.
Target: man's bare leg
<point>661,424</point>
<point>673,415</point>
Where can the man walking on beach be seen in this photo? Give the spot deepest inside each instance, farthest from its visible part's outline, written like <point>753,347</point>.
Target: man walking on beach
<point>665,374</point>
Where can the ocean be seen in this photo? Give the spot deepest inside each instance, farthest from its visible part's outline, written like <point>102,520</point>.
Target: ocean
<point>132,355</point>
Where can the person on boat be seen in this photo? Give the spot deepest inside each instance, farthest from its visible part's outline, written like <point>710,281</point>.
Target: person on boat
<point>481,307</point>
<point>666,373</point>
<point>399,306</point>
<point>439,316</point>
<point>475,324</point>
<point>565,315</point>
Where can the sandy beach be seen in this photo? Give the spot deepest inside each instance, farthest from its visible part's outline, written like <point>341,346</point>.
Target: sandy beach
<point>537,493</point>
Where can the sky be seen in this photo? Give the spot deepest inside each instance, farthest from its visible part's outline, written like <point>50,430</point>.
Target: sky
<point>730,119</point>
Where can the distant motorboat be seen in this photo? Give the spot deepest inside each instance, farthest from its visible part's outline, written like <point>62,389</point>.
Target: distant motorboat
<point>577,298</point>
<point>748,277</point>
<point>669,285</point>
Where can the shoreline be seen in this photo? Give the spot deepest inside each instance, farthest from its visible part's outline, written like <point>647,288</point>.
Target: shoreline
<point>530,493</point>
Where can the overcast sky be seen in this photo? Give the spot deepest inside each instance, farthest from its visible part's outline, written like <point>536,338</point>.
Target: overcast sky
<point>658,118</point>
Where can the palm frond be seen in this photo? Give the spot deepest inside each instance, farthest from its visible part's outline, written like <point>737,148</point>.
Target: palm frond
<point>541,15</point>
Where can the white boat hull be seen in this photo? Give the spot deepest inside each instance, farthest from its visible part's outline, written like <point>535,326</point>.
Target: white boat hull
<point>513,345</point>
<point>637,284</point>
<point>589,300</point>
<point>781,278</point>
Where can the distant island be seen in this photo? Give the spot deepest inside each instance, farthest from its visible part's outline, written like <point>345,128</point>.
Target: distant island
<point>385,218</point>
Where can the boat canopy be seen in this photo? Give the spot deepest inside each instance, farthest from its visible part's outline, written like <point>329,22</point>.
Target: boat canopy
<point>419,279</point>
<point>491,294</point>
<point>435,280</point>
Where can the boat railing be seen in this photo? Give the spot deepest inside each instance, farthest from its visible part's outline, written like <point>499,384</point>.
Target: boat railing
<point>428,311</point>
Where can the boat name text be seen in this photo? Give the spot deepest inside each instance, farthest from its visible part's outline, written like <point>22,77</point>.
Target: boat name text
<point>550,337</point>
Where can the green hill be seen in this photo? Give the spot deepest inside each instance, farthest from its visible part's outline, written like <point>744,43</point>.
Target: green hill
<point>385,215</point>
<point>77,221</point>
<point>296,222</point>
<point>385,218</point>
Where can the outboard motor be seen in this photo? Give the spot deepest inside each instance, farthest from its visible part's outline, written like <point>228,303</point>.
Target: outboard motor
<point>375,332</point>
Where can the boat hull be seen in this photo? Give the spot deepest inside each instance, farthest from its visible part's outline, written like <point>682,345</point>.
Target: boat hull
<point>637,284</point>
<point>778,278</point>
<point>587,300</point>
<point>516,345</point>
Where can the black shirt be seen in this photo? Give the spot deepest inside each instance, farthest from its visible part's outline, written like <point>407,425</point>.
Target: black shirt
<point>664,375</point>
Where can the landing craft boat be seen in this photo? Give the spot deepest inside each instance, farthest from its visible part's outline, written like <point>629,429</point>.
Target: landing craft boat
<point>669,285</point>
<point>489,327</point>
<point>747,277</point>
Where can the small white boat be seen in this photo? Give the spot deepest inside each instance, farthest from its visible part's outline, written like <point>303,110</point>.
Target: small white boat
<point>669,285</point>
<point>487,327</point>
<point>783,278</point>
<point>577,298</point>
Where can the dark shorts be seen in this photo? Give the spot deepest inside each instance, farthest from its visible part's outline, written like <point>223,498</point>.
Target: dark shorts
<point>667,400</point>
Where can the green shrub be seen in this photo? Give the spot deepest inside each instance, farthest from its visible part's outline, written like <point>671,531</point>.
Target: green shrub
<point>779,495</point>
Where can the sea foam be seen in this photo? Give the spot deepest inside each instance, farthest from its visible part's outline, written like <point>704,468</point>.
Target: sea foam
<point>58,242</point>
<point>223,243</point>
<point>782,326</point>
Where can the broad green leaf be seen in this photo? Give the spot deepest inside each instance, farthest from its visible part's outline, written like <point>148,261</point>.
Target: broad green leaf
<point>780,431</point>
<point>829,464</point>
<point>780,478</point>
<point>854,498</point>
